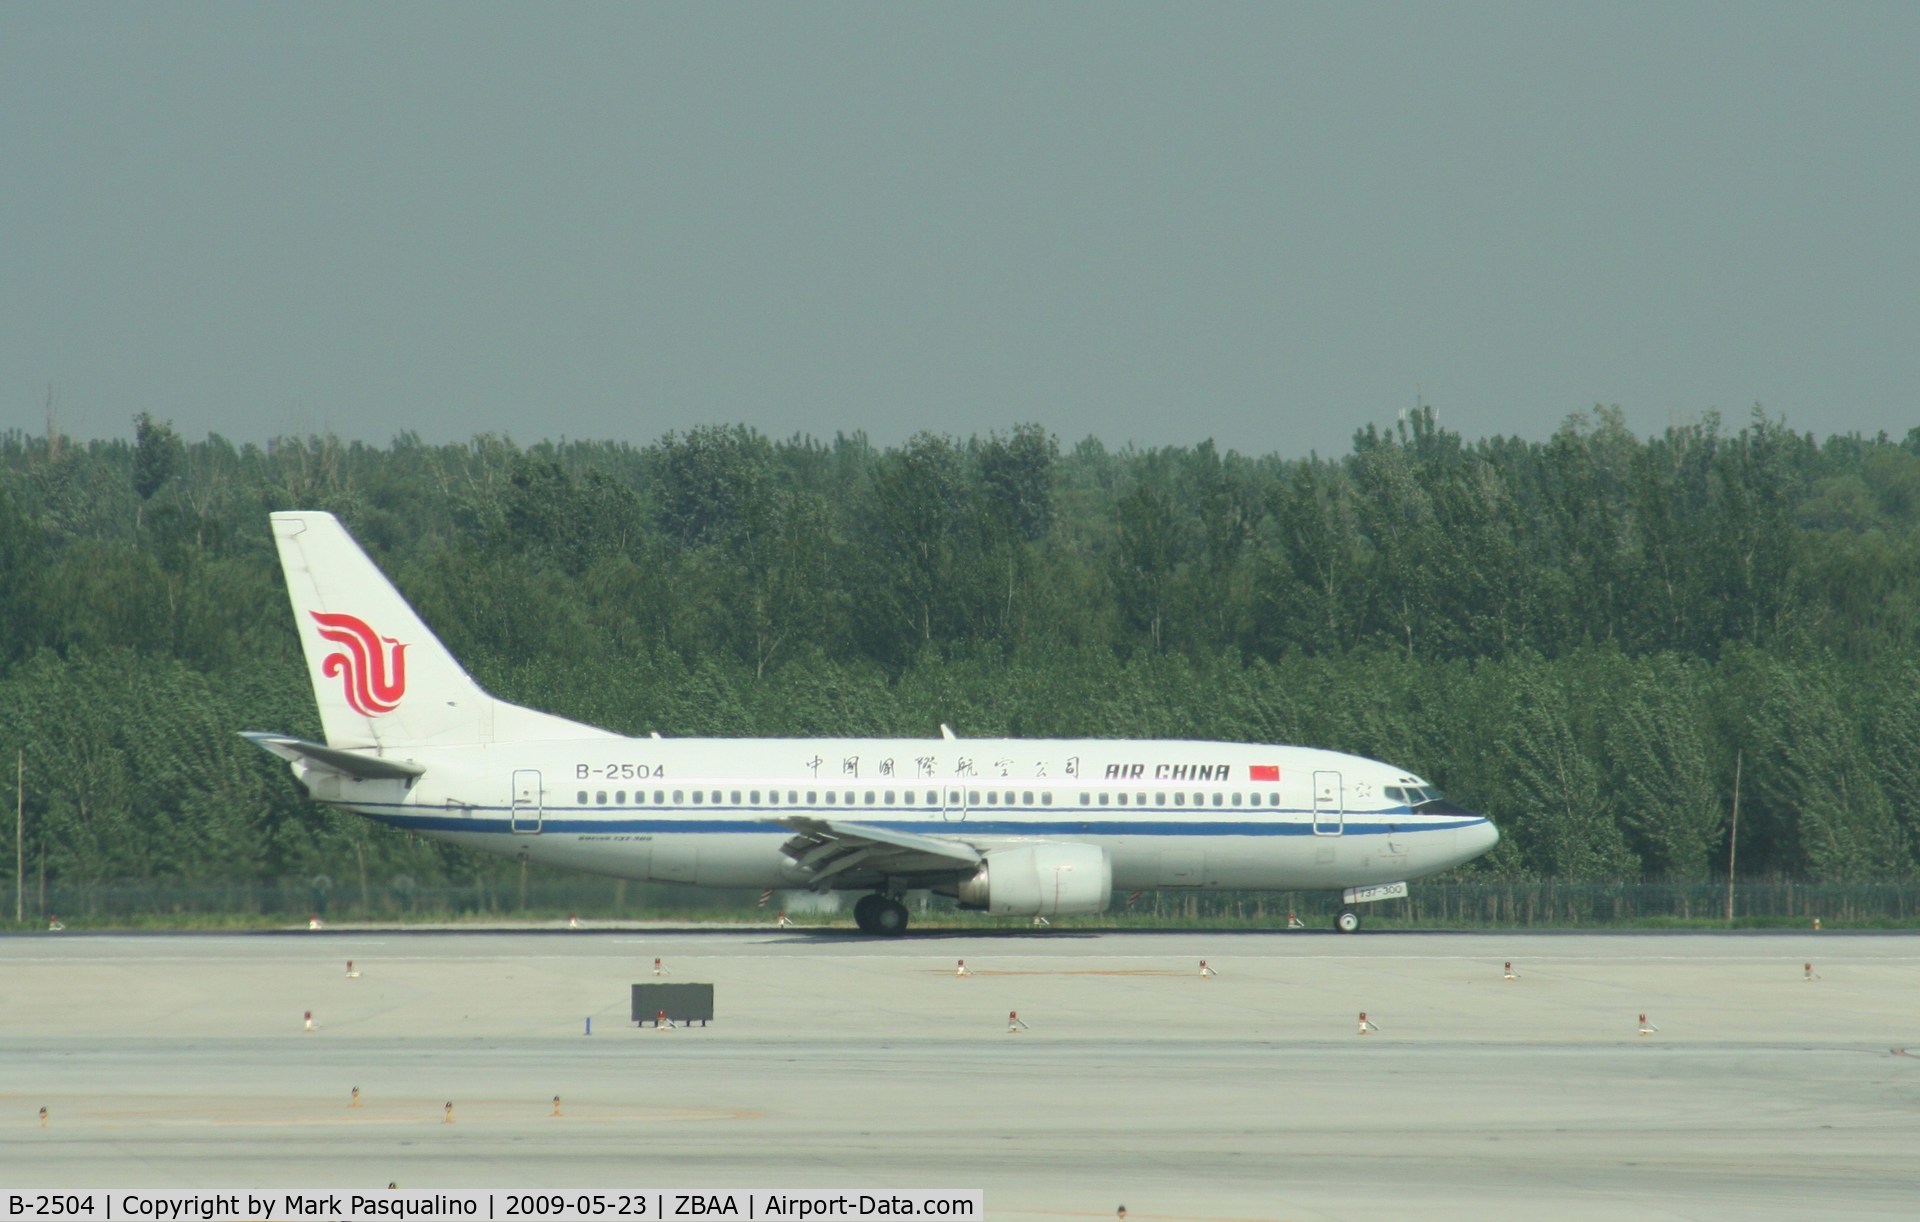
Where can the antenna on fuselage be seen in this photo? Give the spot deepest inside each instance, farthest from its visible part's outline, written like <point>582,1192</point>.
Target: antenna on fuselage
<point>946,732</point>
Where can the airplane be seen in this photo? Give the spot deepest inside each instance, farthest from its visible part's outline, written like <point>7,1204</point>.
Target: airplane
<point>1013,827</point>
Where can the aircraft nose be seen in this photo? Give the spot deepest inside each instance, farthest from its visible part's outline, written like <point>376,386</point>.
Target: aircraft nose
<point>1477,838</point>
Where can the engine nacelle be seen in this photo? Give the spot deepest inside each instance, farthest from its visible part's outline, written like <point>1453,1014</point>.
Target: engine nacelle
<point>1041,880</point>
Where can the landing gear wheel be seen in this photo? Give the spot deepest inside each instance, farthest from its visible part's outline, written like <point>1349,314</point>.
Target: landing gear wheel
<point>1348,921</point>
<point>864,910</point>
<point>890,918</point>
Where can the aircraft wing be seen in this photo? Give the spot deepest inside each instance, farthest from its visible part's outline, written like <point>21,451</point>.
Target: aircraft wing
<point>347,763</point>
<point>829,848</point>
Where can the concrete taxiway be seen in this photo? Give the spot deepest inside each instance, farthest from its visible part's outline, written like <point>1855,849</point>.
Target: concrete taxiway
<point>843,1061</point>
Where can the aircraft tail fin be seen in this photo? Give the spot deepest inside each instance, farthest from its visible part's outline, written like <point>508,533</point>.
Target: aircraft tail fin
<point>380,676</point>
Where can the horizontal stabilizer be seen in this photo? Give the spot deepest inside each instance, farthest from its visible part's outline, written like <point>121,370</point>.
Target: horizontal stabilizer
<point>346,763</point>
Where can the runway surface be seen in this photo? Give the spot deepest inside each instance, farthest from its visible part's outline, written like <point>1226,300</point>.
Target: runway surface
<point>843,1061</point>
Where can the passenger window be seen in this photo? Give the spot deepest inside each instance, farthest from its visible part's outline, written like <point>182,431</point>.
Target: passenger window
<point>1086,799</point>
<point>1027,798</point>
<point>1179,799</point>
<point>1120,799</point>
<point>1273,799</point>
<point>716,797</point>
<point>870,797</point>
<point>736,797</point>
<point>698,797</point>
<point>1219,799</point>
<point>773,797</point>
<point>600,798</point>
<point>1046,798</point>
<point>1236,799</point>
<point>678,797</point>
<point>1105,799</point>
<point>933,798</point>
<point>583,797</point>
<point>829,797</point>
<point>813,797</point>
<point>973,797</point>
<point>620,797</point>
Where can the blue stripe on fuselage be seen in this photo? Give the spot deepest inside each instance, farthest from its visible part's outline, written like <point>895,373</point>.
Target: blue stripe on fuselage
<point>497,819</point>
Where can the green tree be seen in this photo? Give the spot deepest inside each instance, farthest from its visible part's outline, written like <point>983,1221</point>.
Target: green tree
<point>1310,594</point>
<point>919,525</point>
<point>1554,794</point>
<point>157,453</point>
<point>23,560</point>
<point>1146,560</point>
<point>1814,800</point>
<point>1660,776</point>
<point>715,485</point>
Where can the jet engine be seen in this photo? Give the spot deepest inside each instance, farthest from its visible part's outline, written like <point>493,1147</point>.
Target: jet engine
<point>1040,880</point>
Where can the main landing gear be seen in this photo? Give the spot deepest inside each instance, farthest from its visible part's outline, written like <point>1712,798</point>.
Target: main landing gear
<point>881,914</point>
<point>1347,921</point>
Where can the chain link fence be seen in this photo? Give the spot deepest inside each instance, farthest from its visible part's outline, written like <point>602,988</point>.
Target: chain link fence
<point>1559,903</point>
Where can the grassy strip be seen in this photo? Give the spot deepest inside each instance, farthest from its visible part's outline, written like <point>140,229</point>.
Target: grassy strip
<point>192,922</point>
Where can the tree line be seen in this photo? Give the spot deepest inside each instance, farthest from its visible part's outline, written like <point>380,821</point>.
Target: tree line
<point>1582,636</point>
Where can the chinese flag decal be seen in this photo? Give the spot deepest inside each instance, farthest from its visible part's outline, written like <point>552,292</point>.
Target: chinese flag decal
<point>1264,772</point>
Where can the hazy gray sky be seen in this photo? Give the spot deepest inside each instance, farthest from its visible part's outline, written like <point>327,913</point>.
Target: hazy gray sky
<point>1267,224</point>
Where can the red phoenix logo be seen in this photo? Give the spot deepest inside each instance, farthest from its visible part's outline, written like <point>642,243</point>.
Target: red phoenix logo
<point>363,664</point>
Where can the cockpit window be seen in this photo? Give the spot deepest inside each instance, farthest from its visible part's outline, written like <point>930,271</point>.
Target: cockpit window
<point>1413,795</point>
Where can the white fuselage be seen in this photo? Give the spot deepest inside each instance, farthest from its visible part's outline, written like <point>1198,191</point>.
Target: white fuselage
<point>706,811</point>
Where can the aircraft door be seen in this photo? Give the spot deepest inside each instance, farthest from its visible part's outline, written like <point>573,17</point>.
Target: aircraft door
<point>953,804</point>
<point>526,800</point>
<point>1329,804</point>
